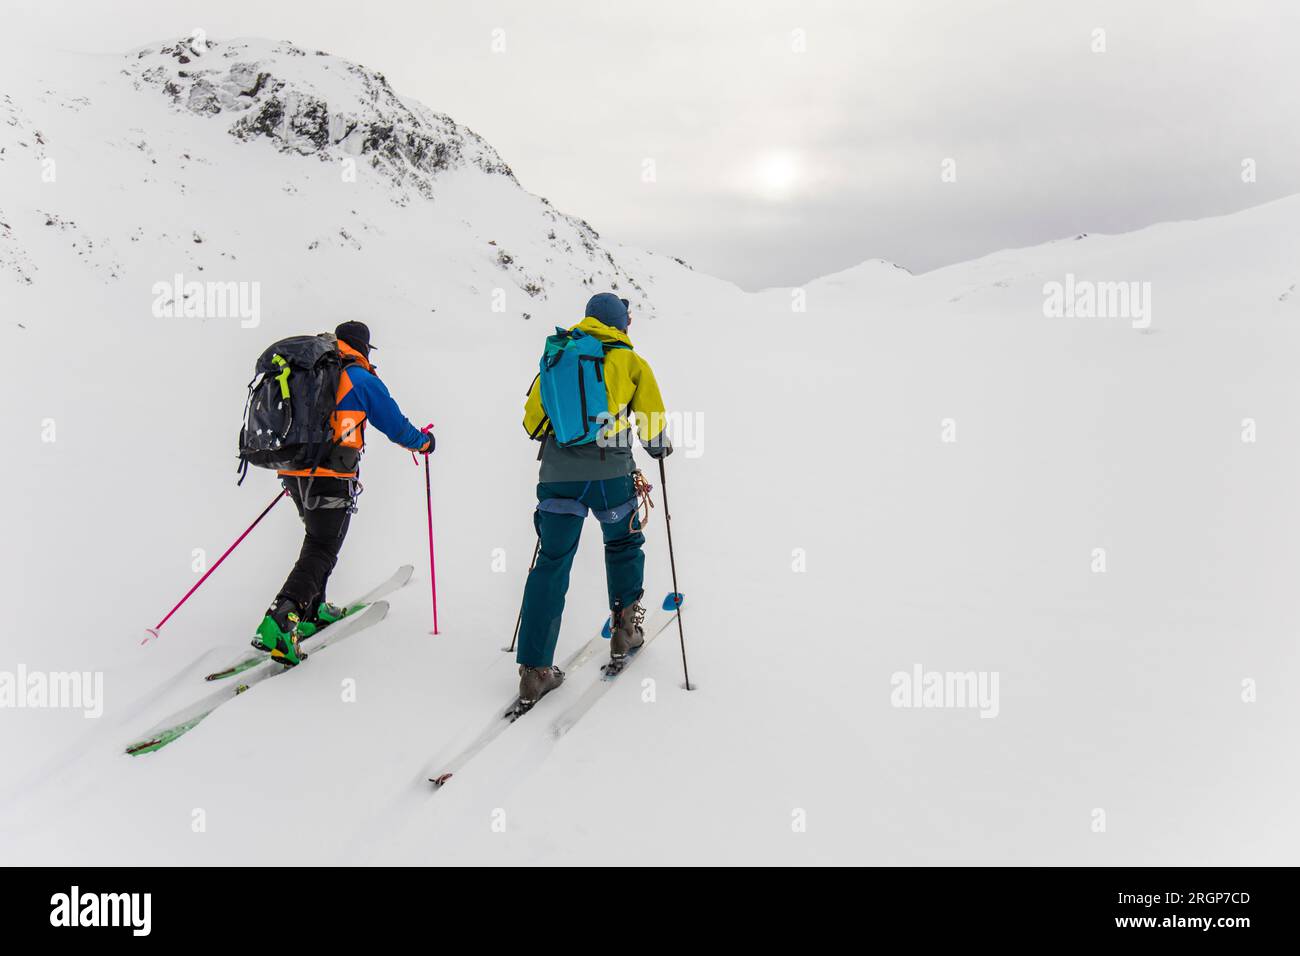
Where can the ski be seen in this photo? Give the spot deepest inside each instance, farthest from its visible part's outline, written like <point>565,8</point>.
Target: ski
<point>187,719</point>
<point>507,715</point>
<point>397,580</point>
<point>663,618</point>
<point>512,711</point>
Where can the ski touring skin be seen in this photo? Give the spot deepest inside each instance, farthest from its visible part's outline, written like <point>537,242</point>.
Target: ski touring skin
<point>397,580</point>
<point>658,623</point>
<point>512,711</point>
<point>186,720</point>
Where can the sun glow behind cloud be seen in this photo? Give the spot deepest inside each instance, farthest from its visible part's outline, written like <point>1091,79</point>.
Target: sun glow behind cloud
<point>776,175</point>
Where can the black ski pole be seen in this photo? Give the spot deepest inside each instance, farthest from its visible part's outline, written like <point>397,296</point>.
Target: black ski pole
<point>520,619</point>
<point>668,523</point>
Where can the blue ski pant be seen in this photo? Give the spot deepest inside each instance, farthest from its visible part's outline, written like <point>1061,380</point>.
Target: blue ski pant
<point>559,526</point>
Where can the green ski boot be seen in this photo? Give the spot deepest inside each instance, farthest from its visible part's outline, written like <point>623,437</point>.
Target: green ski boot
<point>326,614</point>
<point>278,633</point>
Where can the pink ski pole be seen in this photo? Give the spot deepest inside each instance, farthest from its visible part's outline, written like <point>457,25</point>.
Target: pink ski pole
<point>428,497</point>
<point>153,631</point>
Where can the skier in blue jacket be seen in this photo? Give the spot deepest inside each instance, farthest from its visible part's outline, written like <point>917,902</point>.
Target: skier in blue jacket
<point>326,496</point>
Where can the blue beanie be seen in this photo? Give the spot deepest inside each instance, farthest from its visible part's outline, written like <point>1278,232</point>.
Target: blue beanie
<point>608,308</point>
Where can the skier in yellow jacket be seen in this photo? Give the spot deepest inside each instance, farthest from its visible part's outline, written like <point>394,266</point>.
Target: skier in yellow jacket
<point>598,476</point>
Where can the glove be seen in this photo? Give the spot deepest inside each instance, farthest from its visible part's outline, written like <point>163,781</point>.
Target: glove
<point>427,447</point>
<point>659,450</point>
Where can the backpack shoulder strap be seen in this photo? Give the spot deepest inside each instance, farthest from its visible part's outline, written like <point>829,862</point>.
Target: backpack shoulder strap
<point>352,362</point>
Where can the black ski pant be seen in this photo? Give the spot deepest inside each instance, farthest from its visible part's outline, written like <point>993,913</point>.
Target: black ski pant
<point>325,506</point>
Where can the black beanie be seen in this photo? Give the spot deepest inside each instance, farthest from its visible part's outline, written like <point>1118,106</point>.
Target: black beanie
<point>357,335</point>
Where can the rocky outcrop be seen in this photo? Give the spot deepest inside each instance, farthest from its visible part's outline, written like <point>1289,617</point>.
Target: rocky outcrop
<point>330,109</point>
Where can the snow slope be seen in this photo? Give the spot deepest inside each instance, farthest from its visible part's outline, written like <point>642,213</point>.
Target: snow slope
<point>817,418</point>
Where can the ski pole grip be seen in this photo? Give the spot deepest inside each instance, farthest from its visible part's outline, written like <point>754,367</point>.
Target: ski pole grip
<point>423,431</point>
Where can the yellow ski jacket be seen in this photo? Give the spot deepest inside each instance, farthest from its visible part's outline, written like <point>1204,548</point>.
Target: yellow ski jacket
<point>633,397</point>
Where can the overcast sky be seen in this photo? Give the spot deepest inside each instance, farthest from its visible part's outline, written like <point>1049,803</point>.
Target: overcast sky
<point>793,139</point>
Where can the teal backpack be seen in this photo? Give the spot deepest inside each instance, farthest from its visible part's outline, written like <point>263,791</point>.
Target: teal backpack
<point>571,385</point>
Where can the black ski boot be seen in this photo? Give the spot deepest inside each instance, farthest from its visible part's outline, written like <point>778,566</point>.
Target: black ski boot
<point>536,682</point>
<point>626,633</point>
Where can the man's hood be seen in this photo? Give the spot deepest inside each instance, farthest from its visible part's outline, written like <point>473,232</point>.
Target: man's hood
<point>606,333</point>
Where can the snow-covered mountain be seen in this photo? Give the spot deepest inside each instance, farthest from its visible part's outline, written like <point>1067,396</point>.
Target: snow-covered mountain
<point>327,108</point>
<point>877,473</point>
<point>132,162</point>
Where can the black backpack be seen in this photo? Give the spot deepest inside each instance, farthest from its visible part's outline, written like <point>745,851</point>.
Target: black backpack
<point>290,402</point>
